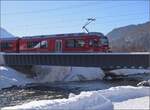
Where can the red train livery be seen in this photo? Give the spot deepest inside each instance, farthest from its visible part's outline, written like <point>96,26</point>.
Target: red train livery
<point>9,44</point>
<point>74,42</point>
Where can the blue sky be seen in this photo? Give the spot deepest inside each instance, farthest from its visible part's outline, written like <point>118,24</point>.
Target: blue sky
<point>23,18</point>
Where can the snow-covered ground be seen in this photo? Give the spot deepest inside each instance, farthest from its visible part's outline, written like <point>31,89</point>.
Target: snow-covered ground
<point>57,73</point>
<point>65,74</point>
<point>108,99</point>
<point>50,73</point>
<point>10,77</point>
<point>125,72</point>
<point>84,73</point>
<point>96,100</point>
<point>46,73</point>
<point>142,103</point>
<point>116,97</point>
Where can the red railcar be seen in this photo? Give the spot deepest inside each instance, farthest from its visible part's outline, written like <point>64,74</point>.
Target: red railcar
<point>9,44</point>
<point>76,42</point>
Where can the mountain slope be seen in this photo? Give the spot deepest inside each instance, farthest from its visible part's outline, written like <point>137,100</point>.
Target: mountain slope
<point>130,38</point>
<point>5,34</point>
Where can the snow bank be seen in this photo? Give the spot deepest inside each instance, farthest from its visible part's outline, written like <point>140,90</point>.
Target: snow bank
<point>9,77</point>
<point>60,73</point>
<point>141,103</point>
<point>51,73</point>
<point>126,72</point>
<point>121,93</point>
<point>93,100</point>
<point>85,73</point>
<point>84,101</point>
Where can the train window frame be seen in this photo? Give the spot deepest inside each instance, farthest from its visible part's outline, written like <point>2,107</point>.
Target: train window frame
<point>72,44</point>
<point>75,43</point>
<point>104,41</point>
<point>90,43</point>
<point>33,44</point>
<point>45,44</point>
<point>8,46</point>
<point>79,44</point>
<point>94,43</point>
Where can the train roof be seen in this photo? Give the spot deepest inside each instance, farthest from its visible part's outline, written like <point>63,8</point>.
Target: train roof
<point>64,35</point>
<point>10,38</point>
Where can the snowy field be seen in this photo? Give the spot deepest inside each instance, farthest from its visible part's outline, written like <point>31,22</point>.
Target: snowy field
<point>107,99</point>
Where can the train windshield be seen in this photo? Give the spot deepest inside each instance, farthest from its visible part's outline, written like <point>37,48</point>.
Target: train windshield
<point>104,41</point>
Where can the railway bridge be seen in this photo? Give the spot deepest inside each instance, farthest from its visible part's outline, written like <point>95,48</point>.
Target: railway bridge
<point>103,60</point>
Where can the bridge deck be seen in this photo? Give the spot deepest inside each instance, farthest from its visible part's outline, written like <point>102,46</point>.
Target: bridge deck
<point>103,60</point>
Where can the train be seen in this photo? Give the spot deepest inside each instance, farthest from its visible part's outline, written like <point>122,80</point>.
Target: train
<point>65,43</point>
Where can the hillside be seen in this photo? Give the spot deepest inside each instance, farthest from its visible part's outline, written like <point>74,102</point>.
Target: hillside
<point>5,34</point>
<point>130,38</point>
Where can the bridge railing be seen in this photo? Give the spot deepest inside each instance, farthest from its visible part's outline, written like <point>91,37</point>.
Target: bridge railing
<point>103,60</point>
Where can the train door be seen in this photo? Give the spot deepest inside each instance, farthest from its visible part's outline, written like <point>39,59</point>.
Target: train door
<point>58,46</point>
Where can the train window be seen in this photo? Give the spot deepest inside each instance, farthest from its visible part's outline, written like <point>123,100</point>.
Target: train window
<point>32,44</point>
<point>44,44</point>
<point>6,45</point>
<point>104,41</point>
<point>91,43</point>
<point>94,43</point>
<point>99,43</point>
<point>79,43</point>
<point>70,43</point>
<point>75,43</point>
<point>37,44</point>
